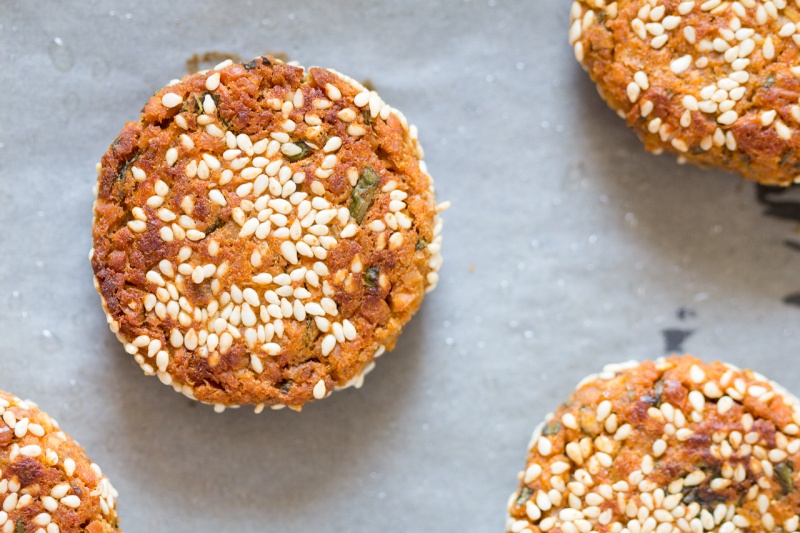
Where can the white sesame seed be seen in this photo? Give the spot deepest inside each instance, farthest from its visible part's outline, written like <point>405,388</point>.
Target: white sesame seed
<point>728,118</point>
<point>333,144</point>
<point>32,450</point>
<point>71,501</point>
<point>544,446</point>
<point>137,226</point>
<point>319,389</point>
<point>212,82</point>
<point>214,131</point>
<point>333,92</point>
<point>195,235</point>
<point>783,131</point>
<point>659,42</point>
<point>680,65</point>
<point>328,344</point>
<point>356,130</point>
<point>633,91</point>
<point>768,49</point>
<point>171,156</point>
<point>170,100</point>
<point>671,22</point>
<point>603,410</point>
<point>346,115</point>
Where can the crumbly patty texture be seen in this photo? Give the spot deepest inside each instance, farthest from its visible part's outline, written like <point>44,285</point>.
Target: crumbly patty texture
<point>670,446</point>
<point>47,484</point>
<point>714,81</point>
<point>263,233</point>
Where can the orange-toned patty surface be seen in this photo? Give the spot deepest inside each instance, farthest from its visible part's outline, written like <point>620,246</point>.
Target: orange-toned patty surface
<point>675,445</point>
<point>716,82</point>
<point>47,484</point>
<point>263,232</point>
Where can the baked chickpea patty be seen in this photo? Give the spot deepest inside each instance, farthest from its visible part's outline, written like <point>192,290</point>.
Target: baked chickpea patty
<point>670,446</point>
<point>716,82</point>
<point>47,484</point>
<point>263,232</point>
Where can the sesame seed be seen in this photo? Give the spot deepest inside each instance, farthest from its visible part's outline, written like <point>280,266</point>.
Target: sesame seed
<point>319,389</point>
<point>346,115</point>
<point>544,446</point>
<point>212,82</point>
<point>71,501</point>
<point>783,131</point>
<point>633,91</point>
<point>170,100</point>
<point>659,42</point>
<point>680,65</point>
<point>137,226</point>
<point>333,92</point>
<point>728,118</point>
<point>32,450</point>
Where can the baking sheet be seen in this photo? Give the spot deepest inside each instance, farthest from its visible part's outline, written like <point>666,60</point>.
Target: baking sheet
<point>567,247</point>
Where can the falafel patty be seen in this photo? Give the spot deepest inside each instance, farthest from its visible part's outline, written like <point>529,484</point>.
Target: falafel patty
<point>675,445</point>
<point>263,232</point>
<point>716,82</point>
<point>47,484</point>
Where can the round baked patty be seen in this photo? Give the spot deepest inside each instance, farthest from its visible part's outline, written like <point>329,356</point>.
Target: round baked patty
<point>716,81</point>
<point>48,485</point>
<point>670,446</point>
<point>263,233</point>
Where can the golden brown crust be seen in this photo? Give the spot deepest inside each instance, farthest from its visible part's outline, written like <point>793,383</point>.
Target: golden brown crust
<point>715,82</point>
<point>663,446</point>
<point>236,179</point>
<point>47,482</point>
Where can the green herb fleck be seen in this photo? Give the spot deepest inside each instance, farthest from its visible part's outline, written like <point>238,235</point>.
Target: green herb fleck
<point>524,495</point>
<point>304,151</point>
<point>655,397</point>
<point>770,81</point>
<point>250,64</point>
<point>786,156</point>
<point>124,167</point>
<point>371,276</point>
<point>363,193</point>
<point>20,526</point>
<point>198,105</point>
<point>421,244</point>
<point>217,224</point>
<point>367,117</point>
<point>552,428</point>
<point>783,475</point>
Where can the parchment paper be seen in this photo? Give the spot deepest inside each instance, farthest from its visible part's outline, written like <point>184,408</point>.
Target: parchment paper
<point>567,247</point>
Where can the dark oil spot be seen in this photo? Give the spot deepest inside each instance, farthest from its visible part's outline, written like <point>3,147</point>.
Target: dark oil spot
<point>368,85</point>
<point>674,339</point>
<point>792,299</point>
<point>792,245</point>
<point>782,210</point>
<point>685,313</point>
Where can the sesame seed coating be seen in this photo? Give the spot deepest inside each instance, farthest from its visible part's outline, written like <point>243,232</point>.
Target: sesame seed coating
<point>47,484</point>
<point>675,445</point>
<point>715,82</point>
<point>263,239</point>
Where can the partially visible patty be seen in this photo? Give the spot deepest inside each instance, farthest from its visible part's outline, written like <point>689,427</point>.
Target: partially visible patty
<point>715,82</point>
<point>666,446</point>
<point>263,232</point>
<point>47,483</point>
